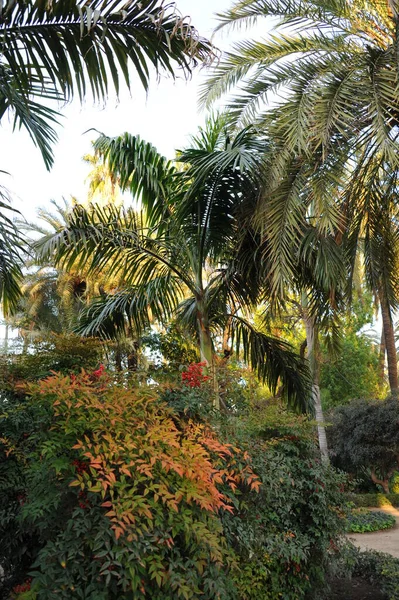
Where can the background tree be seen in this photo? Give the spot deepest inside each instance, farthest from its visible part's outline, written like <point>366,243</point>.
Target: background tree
<point>334,130</point>
<point>365,436</point>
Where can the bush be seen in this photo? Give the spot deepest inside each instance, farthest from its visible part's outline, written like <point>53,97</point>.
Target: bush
<point>112,495</point>
<point>286,535</point>
<point>365,436</point>
<point>372,500</point>
<point>376,567</point>
<point>62,353</point>
<point>362,521</point>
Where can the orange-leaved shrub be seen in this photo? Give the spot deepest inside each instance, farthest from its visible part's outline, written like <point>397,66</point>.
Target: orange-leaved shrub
<point>136,494</point>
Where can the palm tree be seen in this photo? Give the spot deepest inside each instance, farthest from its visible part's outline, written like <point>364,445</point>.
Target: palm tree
<point>11,248</point>
<point>331,69</point>
<point>188,255</point>
<point>59,50</point>
<point>51,52</point>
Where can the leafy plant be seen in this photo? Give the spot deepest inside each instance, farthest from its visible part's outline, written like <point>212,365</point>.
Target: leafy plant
<point>113,495</point>
<point>362,521</point>
<point>364,435</point>
<point>376,567</point>
<point>286,535</point>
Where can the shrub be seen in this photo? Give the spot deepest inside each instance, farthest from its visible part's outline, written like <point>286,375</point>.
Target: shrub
<point>376,567</point>
<point>372,500</point>
<point>61,353</point>
<point>114,496</point>
<point>285,536</point>
<point>365,435</point>
<point>362,521</point>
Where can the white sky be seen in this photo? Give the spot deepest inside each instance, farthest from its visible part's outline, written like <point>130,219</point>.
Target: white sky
<point>165,118</point>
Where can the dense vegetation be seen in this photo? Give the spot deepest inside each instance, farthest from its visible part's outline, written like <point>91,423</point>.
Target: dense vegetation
<point>195,402</point>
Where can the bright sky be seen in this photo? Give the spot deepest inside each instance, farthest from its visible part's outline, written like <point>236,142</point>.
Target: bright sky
<point>166,117</point>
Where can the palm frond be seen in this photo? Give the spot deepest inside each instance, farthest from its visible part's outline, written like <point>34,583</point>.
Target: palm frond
<point>275,363</point>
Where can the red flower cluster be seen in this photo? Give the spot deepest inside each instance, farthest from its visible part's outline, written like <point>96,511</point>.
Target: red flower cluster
<point>100,371</point>
<point>194,377</point>
<point>23,587</point>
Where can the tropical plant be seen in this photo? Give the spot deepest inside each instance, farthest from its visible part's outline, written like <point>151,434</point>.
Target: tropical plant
<point>61,50</point>
<point>11,249</point>
<point>52,52</point>
<point>331,70</point>
<point>188,254</point>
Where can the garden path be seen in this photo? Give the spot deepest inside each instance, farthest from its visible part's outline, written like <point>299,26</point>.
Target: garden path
<point>383,541</point>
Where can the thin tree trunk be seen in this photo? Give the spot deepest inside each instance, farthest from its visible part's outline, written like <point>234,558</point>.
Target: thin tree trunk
<point>312,344</point>
<point>206,349</point>
<point>381,360</point>
<point>389,336</point>
<point>118,357</point>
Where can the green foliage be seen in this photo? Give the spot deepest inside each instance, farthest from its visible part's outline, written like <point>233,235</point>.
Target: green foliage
<point>285,535</point>
<point>373,500</point>
<point>173,350</point>
<point>351,374</point>
<point>377,567</point>
<point>113,495</point>
<point>362,520</point>
<point>72,48</point>
<point>61,353</point>
<point>365,435</point>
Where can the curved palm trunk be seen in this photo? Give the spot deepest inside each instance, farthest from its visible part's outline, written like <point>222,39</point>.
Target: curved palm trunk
<point>389,337</point>
<point>312,343</point>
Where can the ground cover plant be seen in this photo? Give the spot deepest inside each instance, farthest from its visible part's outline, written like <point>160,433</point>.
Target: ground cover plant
<point>362,521</point>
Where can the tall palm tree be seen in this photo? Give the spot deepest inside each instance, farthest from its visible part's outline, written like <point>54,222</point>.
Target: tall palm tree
<point>188,254</point>
<point>331,68</point>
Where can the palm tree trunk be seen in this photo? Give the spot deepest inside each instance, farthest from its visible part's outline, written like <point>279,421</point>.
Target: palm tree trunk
<point>381,360</point>
<point>206,349</point>
<point>312,343</point>
<point>389,337</point>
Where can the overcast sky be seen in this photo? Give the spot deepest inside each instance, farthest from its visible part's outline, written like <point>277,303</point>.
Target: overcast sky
<point>166,117</point>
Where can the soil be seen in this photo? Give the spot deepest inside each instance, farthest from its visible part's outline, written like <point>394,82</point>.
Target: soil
<point>353,589</point>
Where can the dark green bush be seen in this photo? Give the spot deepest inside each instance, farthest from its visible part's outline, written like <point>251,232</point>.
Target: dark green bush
<point>362,521</point>
<point>364,436</point>
<point>376,567</point>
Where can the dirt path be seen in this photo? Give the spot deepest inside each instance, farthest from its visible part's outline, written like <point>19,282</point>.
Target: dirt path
<point>383,541</point>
